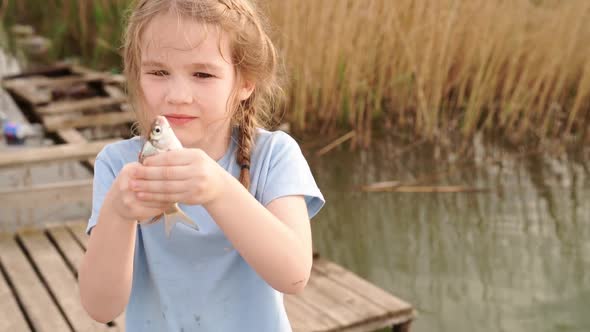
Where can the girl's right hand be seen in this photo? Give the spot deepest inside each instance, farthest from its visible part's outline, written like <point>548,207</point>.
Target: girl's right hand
<point>124,201</point>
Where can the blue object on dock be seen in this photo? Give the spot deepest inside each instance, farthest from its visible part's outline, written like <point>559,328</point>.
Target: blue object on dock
<point>10,129</point>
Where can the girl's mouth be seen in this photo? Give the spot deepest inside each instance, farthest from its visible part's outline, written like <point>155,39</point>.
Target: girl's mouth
<point>179,119</point>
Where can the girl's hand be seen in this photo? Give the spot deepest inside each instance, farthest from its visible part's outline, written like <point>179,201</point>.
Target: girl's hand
<point>186,176</point>
<point>125,201</point>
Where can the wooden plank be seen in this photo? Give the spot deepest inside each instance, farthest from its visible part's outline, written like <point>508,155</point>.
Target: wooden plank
<point>74,136</point>
<point>362,287</point>
<point>329,305</point>
<point>43,314</point>
<point>47,195</point>
<point>11,317</point>
<point>75,151</point>
<point>69,106</point>
<point>18,82</point>
<point>338,302</point>
<point>53,69</point>
<point>68,246</point>
<point>304,317</point>
<point>77,231</point>
<point>56,122</point>
<point>25,89</point>
<point>60,281</point>
<point>114,91</point>
<point>45,82</point>
<point>72,79</point>
<point>71,136</point>
<point>374,325</point>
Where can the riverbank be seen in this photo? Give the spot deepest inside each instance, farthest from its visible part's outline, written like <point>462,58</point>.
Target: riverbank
<point>516,69</point>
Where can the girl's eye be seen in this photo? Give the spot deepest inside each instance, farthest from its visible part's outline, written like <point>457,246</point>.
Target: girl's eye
<point>203,75</point>
<point>158,73</point>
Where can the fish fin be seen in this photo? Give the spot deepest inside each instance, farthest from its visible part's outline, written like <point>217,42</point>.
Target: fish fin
<point>168,225</point>
<point>153,220</point>
<point>177,212</point>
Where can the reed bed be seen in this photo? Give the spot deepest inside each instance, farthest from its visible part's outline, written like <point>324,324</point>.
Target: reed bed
<point>519,69</point>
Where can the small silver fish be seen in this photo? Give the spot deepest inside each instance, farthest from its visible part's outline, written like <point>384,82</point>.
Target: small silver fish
<point>161,138</point>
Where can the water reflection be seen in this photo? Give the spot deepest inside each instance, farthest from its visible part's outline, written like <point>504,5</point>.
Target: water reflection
<point>513,258</point>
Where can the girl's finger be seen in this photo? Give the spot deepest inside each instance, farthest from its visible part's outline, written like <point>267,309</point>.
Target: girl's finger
<point>159,197</point>
<point>155,205</point>
<point>171,158</point>
<point>156,186</point>
<point>164,172</point>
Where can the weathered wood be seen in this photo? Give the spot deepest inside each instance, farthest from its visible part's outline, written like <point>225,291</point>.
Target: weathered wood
<point>399,313</point>
<point>334,300</point>
<point>69,106</point>
<point>60,280</point>
<point>335,143</point>
<point>305,318</point>
<point>374,325</point>
<point>56,122</point>
<point>26,90</point>
<point>114,91</point>
<point>40,308</point>
<point>75,151</point>
<point>44,82</point>
<point>72,80</point>
<point>71,136</point>
<point>50,70</point>
<point>11,317</point>
<point>68,246</point>
<point>365,288</point>
<point>77,233</point>
<point>47,194</point>
<point>338,302</point>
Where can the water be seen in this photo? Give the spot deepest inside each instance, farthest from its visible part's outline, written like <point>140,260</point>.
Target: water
<point>513,258</point>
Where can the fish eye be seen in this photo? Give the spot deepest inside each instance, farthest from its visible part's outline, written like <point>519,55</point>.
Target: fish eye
<point>157,130</point>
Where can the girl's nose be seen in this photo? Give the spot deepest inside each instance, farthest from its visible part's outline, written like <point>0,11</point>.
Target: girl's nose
<point>179,92</point>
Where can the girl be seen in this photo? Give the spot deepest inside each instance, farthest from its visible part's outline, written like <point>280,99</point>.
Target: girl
<point>210,69</point>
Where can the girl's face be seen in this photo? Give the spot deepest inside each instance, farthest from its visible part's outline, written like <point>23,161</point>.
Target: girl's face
<point>185,77</point>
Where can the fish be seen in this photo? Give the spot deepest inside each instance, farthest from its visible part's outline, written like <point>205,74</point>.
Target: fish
<point>161,138</point>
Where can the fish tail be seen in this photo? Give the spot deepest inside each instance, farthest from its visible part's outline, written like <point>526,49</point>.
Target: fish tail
<point>183,217</point>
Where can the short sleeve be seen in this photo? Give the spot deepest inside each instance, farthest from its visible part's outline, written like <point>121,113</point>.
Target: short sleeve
<point>103,179</point>
<point>289,174</point>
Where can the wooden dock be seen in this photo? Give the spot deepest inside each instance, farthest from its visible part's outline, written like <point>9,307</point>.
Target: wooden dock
<point>39,292</point>
<point>38,265</point>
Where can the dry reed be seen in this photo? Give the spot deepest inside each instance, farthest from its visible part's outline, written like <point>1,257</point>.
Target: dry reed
<point>519,68</point>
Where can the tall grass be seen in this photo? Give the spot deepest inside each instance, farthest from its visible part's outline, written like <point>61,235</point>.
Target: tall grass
<point>519,68</point>
<point>90,30</point>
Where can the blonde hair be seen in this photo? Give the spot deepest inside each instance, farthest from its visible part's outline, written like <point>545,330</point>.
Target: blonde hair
<point>252,54</point>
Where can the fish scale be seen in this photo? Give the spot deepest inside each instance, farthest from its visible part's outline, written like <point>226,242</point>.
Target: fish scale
<point>160,139</point>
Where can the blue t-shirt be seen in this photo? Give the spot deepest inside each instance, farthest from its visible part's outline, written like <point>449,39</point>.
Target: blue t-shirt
<point>195,280</point>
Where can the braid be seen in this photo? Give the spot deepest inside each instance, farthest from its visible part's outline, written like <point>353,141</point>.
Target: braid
<point>246,139</point>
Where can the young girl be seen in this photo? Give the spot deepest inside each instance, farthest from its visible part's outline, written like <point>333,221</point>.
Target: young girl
<point>210,69</point>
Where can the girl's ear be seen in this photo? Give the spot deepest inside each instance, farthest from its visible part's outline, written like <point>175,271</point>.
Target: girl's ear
<point>246,90</point>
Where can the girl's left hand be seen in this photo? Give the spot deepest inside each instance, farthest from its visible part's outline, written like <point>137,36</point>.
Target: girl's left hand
<point>186,176</point>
